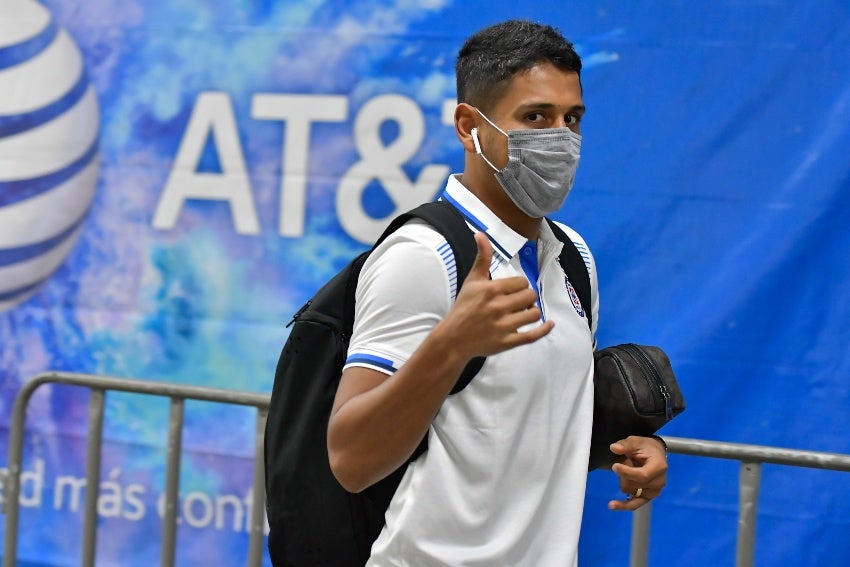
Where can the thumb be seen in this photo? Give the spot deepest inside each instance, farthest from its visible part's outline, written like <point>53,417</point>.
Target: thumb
<point>481,266</point>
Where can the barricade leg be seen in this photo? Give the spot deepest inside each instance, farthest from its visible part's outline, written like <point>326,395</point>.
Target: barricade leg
<point>639,555</point>
<point>97,399</point>
<point>750,480</point>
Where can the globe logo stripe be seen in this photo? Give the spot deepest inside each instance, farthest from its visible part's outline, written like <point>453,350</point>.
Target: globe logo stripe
<point>50,213</point>
<point>42,80</point>
<point>15,293</point>
<point>20,189</point>
<point>15,124</point>
<point>29,251</point>
<point>37,270</point>
<point>53,145</point>
<point>49,147</point>
<point>12,55</point>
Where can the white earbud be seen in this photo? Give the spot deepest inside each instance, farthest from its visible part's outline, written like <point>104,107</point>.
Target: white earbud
<point>475,140</point>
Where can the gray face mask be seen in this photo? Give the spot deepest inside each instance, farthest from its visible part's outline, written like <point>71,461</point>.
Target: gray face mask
<point>541,167</point>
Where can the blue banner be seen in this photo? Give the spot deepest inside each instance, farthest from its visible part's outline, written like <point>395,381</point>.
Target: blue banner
<point>176,179</point>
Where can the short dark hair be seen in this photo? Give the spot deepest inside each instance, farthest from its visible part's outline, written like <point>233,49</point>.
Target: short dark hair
<point>491,57</point>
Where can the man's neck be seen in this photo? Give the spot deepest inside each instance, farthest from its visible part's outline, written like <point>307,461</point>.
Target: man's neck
<point>494,198</point>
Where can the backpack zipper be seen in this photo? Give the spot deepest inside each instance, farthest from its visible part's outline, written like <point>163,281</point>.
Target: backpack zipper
<point>300,312</point>
<point>654,377</point>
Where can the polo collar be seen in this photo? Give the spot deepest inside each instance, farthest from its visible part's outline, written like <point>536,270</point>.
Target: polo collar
<point>503,238</point>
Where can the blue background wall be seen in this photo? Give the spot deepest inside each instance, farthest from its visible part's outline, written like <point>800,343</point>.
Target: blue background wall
<point>714,191</point>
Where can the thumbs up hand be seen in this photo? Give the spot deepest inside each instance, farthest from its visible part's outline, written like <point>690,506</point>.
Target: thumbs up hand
<point>481,266</point>
<point>488,314</point>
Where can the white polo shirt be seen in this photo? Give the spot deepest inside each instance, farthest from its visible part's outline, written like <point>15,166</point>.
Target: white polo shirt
<point>503,480</point>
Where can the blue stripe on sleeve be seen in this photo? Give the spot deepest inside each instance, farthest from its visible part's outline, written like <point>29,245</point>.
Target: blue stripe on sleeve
<point>371,360</point>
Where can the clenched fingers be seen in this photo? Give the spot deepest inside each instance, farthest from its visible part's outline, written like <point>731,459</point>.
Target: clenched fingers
<point>642,471</point>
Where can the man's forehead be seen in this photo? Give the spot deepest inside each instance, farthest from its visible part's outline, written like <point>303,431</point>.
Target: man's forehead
<point>542,86</point>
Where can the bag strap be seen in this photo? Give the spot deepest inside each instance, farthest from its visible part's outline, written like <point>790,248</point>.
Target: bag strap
<point>449,222</point>
<point>446,219</point>
<point>573,265</point>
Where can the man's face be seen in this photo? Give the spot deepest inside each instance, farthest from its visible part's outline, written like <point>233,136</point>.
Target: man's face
<point>542,97</point>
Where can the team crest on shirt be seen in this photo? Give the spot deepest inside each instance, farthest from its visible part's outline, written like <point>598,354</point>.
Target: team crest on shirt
<point>574,298</point>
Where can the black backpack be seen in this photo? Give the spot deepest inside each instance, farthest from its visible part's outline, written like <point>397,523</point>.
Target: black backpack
<point>313,520</point>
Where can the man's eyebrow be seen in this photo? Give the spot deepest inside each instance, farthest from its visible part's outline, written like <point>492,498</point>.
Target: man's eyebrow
<point>579,108</point>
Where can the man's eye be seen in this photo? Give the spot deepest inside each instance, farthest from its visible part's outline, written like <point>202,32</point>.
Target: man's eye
<point>535,117</point>
<point>571,119</point>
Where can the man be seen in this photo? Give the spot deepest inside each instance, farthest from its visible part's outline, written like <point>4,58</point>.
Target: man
<point>503,480</point>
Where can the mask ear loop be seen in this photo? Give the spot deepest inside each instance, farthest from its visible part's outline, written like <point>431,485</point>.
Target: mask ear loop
<point>478,151</point>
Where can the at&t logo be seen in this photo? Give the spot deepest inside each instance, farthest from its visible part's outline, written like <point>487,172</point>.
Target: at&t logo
<point>48,147</point>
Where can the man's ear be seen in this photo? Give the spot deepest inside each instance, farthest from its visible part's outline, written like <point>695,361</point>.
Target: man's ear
<point>466,118</point>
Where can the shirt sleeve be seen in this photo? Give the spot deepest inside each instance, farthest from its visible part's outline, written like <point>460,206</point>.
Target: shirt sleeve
<point>404,290</point>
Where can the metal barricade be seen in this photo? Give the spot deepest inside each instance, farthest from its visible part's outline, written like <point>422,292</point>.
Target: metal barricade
<point>751,458</point>
<point>98,386</point>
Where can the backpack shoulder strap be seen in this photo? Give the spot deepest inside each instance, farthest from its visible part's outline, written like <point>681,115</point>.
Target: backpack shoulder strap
<point>443,216</point>
<point>573,265</point>
<point>446,219</point>
<point>449,222</point>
